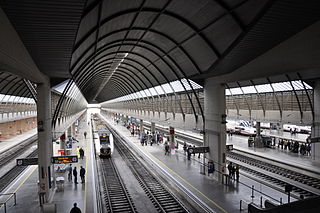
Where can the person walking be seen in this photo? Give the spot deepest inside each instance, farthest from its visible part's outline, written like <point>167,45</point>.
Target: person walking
<point>85,135</point>
<point>166,148</point>
<point>82,174</point>
<point>75,174</point>
<point>75,209</point>
<point>69,169</point>
<point>81,152</point>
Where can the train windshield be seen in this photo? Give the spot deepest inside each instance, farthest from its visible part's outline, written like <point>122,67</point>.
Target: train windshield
<point>104,139</point>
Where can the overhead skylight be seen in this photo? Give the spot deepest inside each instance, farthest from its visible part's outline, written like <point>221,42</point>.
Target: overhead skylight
<point>177,86</point>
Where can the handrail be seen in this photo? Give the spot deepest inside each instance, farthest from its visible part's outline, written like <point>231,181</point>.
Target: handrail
<point>14,195</point>
<point>243,201</point>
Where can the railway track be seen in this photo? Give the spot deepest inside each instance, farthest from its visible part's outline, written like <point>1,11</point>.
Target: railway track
<point>114,192</point>
<point>163,200</point>
<point>8,177</point>
<point>16,151</point>
<point>302,184</point>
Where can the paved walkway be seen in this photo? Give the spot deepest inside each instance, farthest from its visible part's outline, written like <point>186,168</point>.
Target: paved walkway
<point>26,184</point>
<point>6,144</point>
<point>185,175</point>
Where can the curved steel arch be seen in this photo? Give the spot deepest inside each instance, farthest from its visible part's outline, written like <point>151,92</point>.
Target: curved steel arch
<point>137,54</point>
<point>276,97</point>
<point>142,73</point>
<point>177,45</point>
<point>159,70</point>
<point>152,10</point>
<point>119,86</point>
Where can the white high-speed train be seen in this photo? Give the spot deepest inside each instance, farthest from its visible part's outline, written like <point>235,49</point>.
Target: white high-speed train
<point>297,129</point>
<point>103,143</point>
<point>241,127</point>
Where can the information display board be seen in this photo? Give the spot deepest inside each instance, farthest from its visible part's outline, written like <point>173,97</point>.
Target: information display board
<point>64,159</point>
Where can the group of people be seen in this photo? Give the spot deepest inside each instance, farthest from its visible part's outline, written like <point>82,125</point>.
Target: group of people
<point>148,138</point>
<point>295,147</point>
<point>233,171</point>
<point>74,172</point>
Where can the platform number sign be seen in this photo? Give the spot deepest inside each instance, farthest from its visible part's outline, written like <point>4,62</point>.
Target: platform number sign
<point>27,161</point>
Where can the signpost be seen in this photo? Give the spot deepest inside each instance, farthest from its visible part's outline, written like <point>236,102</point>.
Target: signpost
<point>64,159</point>
<point>201,149</point>
<point>27,161</point>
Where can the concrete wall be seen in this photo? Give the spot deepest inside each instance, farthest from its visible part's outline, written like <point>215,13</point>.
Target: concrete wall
<point>17,127</point>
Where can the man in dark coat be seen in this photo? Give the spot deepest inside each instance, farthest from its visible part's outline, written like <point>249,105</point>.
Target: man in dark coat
<point>82,173</point>
<point>75,209</point>
<point>75,174</point>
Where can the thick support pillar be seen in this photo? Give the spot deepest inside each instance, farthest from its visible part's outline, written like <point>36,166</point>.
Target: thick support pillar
<point>258,142</point>
<point>44,140</point>
<point>215,125</point>
<point>315,132</point>
<point>153,126</point>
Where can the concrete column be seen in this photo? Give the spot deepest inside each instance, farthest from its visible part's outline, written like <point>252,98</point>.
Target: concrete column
<point>141,125</point>
<point>44,139</point>
<point>258,142</point>
<point>215,124</point>
<point>153,127</point>
<point>172,137</point>
<point>315,131</point>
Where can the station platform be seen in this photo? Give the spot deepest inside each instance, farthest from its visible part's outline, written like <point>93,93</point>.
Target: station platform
<point>6,144</point>
<point>185,174</point>
<point>66,193</point>
<point>285,156</point>
<point>276,154</point>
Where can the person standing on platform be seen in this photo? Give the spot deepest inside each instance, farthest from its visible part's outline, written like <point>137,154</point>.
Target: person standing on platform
<point>82,174</point>
<point>81,152</point>
<point>75,174</point>
<point>184,147</point>
<point>69,169</point>
<point>237,172</point>
<point>78,152</point>
<point>75,209</point>
<point>85,135</point>
<point>194,154</point>
<point>189,154</point>
<point>166,148</point>
<point>230,169</point>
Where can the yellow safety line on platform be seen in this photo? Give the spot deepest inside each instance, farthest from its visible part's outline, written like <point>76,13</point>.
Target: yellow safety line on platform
<point>85,179</point>
<point>184,180</point>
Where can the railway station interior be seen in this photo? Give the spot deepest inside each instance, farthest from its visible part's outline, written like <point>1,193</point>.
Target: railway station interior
<point>159,106</point>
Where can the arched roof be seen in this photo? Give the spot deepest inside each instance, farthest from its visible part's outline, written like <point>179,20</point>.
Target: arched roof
<point>127,46</point>
<point>111,48</point>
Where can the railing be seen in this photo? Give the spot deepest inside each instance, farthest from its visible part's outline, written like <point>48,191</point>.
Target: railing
<point>4,204</point>
<point>241,205</point>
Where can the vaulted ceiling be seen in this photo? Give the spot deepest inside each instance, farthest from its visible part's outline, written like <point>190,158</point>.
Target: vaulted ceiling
<point>115,47</point>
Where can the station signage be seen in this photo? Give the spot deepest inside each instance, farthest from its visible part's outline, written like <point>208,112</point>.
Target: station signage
<point>315,140</point>
<point>201,149</point>
<point>27,161</point>
<point>64,159</point>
